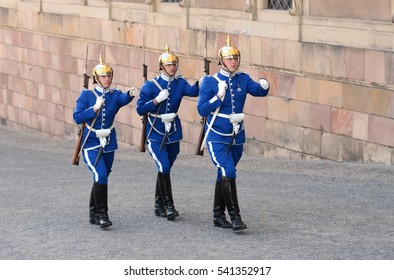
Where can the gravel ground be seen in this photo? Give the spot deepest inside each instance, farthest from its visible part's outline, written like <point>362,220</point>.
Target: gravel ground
<point>295,210</point>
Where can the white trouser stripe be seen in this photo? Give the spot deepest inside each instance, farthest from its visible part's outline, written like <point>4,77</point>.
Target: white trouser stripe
<point>154,157</point>
<point>214,158</point>
<point>90,165</point>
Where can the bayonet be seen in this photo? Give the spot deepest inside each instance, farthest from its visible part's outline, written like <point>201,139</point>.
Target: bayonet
<point>102,134</point>
<point>167,119</point>
<point>144,118</point>
<point>230,144</point>
<point>163,141</point>
<point>206,60</point>
<point>98,155</point>
<point>200,151</point>
<point>235,119</point>
<point>144,66</point>
<point>79,146</point>
<point>85,75</point>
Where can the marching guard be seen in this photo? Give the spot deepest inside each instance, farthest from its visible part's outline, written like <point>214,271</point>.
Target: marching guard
<point>160,99</point>
<point>98,108</point>
<point>221,99</point>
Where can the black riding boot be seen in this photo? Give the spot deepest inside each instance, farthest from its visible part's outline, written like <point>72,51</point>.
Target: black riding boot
<point>166,194</point>
<point>219,206</point>
<point>93,215</point>
<point>101,199</point>
<point>229,191</point>
<point>159,206</point>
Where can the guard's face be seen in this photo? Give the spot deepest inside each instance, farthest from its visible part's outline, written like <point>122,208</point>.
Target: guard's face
<point>231,63</point>
<point>170,69</point>
<point>106,80</point>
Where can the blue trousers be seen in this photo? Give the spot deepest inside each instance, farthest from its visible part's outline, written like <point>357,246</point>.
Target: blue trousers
<point>103,167</point>
<point>165,158</point>
<point>226,164</point>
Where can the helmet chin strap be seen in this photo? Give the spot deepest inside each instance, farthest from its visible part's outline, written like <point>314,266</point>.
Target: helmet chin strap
<point>101,85</point>
<point>228,70</point>
<point>167,74</point>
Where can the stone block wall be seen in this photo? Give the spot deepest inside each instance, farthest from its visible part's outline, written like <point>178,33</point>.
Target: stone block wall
<point>331,80</point>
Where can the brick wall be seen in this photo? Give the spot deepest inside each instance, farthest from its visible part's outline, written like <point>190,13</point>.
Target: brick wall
<point>331,88</point>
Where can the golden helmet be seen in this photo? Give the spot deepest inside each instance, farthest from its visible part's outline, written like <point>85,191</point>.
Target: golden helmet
<point>228,51</point>
<point>168,58</point>
<point>100,70</point>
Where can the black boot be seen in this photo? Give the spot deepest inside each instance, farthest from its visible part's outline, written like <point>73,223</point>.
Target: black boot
<point>166,194</point>
<point>219,206</point>
<point>229,191</point>
<point>159,206</point>
<point>93,215</point>
<point>101,199</point>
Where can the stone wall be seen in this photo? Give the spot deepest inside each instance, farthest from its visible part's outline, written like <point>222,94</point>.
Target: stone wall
<point>332,79</point>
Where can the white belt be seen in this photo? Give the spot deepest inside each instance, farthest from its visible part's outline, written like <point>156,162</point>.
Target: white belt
<point>221,115</point>
<point>234,118</point>
<point>159,116</point>
<point>94,130</point>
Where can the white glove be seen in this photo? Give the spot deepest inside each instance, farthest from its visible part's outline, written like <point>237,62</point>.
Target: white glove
<point>132,91</point>
<point>163,95</point>
<point>99,103</point>
<point>222,86</point>
<point>264,83</point>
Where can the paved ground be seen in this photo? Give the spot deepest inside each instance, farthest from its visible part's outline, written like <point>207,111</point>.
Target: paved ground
<point>302,210</point>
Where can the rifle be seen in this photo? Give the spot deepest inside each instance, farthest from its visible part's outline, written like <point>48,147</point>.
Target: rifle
<point>203,121</point>
<point>144,117</point>
<point>78,145</point>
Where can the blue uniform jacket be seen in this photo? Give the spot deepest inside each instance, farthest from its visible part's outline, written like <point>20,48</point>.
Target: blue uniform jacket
<point>238,86</point>
<point>178,88</point>
<point>114,99</point>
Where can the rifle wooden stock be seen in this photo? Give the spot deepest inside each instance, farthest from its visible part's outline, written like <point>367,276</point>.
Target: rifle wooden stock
<point>201,137</point>
<point>143,134</point>
<point>77,149</point>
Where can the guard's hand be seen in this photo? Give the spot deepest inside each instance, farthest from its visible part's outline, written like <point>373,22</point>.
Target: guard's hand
<point>264,84</point>
<point>99,103</point>
<point>163,95</point>
<point>132,91</point>
<point>222,86</point>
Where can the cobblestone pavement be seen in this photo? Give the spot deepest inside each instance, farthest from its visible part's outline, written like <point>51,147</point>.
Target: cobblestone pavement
<point>294,209</point>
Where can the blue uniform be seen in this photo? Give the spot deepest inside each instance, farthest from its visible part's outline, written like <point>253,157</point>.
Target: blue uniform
<point>114,99</point>
<point>178,87</point>
<point>220,132</point>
